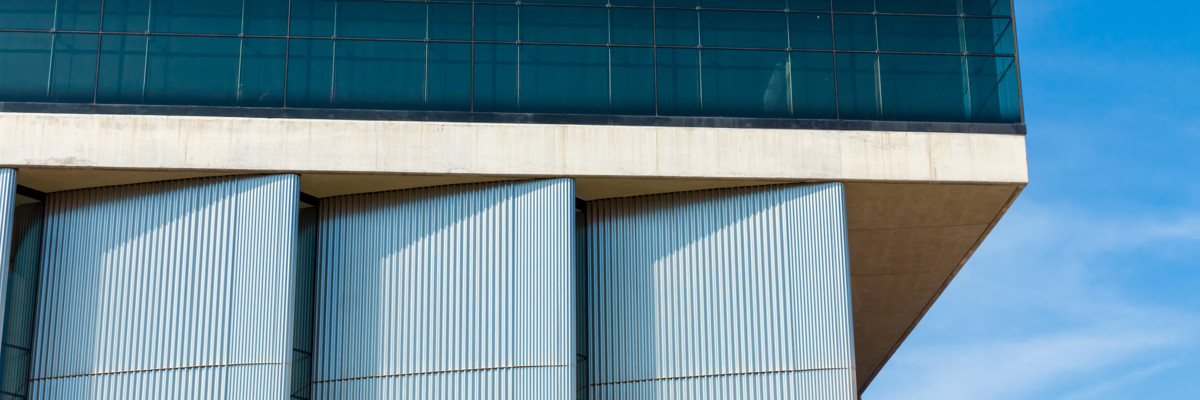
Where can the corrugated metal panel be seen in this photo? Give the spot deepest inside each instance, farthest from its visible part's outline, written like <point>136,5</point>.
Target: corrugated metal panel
<point>739,293</point>
<point>21,299</point>
<point>302,326</point>
<point>178,289</point>
<point>447,293</point>
<point>8,194</point>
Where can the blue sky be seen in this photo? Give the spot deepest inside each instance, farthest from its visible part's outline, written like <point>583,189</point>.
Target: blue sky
<point>1089,288</point>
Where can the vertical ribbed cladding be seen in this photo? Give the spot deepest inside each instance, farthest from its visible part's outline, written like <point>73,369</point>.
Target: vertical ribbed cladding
<point>8,198</point>
<point>302,335</point>
<point>179,289</point>
<point>721,294</point>
<point>21,299</point>
<point>454,292</point>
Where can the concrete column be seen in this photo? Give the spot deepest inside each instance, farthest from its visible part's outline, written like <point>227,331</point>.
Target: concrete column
<point>169,290</point>
<point>452,292</point>
<point>722,294</point>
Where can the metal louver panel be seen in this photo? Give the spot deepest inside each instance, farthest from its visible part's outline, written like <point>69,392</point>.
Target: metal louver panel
<point>455,292</point>
<point>21,299</point>
<point>169,290</point>
<point>721,294</point>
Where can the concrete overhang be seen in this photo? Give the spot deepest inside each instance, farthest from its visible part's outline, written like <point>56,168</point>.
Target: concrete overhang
<point>918,203</point>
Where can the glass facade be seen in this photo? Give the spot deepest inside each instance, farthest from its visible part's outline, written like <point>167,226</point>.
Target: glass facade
<point>892,60</point>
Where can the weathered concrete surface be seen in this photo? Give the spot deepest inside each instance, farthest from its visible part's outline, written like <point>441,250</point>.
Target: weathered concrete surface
<point>433,148</point>
<point>918,204</point>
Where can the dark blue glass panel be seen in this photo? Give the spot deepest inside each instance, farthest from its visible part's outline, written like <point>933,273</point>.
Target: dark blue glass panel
<point>266,17</point>
<point>564,24</point>
<point>189,16</point>
<point>564,79</point>
<point>949,7</point>
<point>811,31</point>
<point>190,70</point>
<point>379,75</point>
<point>78,15</point>
<point>854,5</point>
<point>632,26</point>
<point>26,14</point>
<point>743,29</point>
<point>809,5</point>
<point>261,81</point>
<point>122,69</point>
<point>24,65</point>
<point>813,91</point>
<point>677,27</point>
<point>496,23</point>
<point>918,34</point>
<point>632,81</point>
<point>312,18</point>
<point>449,77</point>
<point>381,19</point>
<point>678,82</point>
<point>126,15</point>
<point>987,7</point>
<point>580,2</point>
<point>989,35</point>
<point>744,83</point>
<point>747,4</point>
<point>922,87</point>
<point>857,89</point>
<point>73,73</point>
<point>496,77</point>
<point>310,73</point>
<point>450,21</point>
<point>995,96</point>
<point>670,3</point>
<point>854,31</point>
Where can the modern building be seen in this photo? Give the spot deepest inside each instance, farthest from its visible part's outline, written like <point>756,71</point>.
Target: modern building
<point>456,199</point>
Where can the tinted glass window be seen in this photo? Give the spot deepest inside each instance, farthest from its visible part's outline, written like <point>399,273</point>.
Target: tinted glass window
<point>73,71</point>
<point>564,79</point>
<point>26,14</point>
<point>381,19</point>
<point>915,87</point>
<point>24,65</point>
<point>813,91</point>
<point>496,77</point>
<point>745,83</point>
<point>918,34</point>
<point>309,73</point>
<point>633,81</point>
<point>743,29</point>
<point>810,31</point>
<point>921,60</point>
<point>192,70</point>
<point>564,24</point>
<point>379,75</point>
<point>989,35</point>
<point>678,82</point>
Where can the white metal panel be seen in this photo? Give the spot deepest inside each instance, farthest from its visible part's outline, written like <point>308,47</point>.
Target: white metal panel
<point>447,293</point>
<point>722,294</point>
<point>179,289</point>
